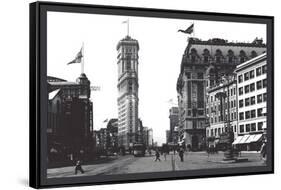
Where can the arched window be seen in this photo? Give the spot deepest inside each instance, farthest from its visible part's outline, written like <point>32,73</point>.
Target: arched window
<point>242,56</point>
<point>206,55</point>
<point>193,54</point>
<point>230,55</point>
<point>253,54</point>
<point>218,56</point>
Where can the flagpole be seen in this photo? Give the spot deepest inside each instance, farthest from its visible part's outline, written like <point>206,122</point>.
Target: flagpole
<point>193,29</point>
<point>128,27</point>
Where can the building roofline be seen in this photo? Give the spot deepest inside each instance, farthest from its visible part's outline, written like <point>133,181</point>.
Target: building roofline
<point>250,62</point>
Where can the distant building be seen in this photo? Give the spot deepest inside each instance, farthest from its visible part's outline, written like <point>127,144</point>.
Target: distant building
<point>145,136</point>
<point>128,123</point>
<point>70,118</point>
<point>168,136</point>
<point>112,135</point>
<point>150,137</point>
<point>174,122</point>
<point>203,64</point>
<point>252,97</point>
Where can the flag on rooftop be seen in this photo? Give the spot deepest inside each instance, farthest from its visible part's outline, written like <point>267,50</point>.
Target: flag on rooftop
<point>78,58</point>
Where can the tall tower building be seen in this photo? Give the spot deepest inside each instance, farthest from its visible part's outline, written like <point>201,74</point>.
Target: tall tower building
<point>128,125</point>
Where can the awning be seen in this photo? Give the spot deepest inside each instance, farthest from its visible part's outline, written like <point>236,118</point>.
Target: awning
<point>237,140</point>
<point>250,139</point>
<point>257,138</point>
<point>244,139</point>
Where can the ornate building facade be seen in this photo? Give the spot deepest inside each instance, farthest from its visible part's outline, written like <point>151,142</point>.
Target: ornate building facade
<point>203,64</point>
<point>128,123</point>
<point>70,119</point>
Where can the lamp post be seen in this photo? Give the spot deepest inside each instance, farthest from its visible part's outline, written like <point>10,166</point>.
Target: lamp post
<point>229,137</point>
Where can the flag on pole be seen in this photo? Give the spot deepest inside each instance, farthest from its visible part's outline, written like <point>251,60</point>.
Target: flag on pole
<point>189,30</point>
<point>78,58</point>
<point>126,22</point>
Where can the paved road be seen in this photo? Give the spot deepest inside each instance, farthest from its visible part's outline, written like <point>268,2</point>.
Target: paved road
<point>130,164</point>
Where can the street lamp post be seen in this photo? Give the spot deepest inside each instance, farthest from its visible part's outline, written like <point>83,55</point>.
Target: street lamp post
<point>228,154</point>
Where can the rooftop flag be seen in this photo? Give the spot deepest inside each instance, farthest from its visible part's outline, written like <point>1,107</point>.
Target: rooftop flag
<point>78,58</point>
<point>189,30</point>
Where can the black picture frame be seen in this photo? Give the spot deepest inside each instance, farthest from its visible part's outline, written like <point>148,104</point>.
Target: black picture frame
<point>38,93</point>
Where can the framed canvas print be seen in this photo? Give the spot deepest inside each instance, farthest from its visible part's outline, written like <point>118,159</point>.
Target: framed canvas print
<point>120,94</point>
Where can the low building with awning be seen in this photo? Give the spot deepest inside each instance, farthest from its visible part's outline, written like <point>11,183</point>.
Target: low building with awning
<point>248,142</point>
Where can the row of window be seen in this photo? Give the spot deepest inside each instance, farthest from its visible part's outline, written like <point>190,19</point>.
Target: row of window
<point>199,75</point>
<point>250,114</point>
<point>251,127</point>
<point>252,100</point>
<point>220,118</point>
<point>232,104</point>
<point>232,92</point>
<point>251,87</point>
<point>251,74</point>
<point>218,131</point>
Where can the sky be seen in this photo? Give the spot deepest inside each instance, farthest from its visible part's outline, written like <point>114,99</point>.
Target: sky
<point>160,54</point>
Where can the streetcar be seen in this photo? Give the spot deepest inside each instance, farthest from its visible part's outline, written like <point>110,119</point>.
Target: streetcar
<point>138,150</point>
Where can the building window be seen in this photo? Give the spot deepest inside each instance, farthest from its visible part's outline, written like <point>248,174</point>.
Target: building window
<point>260,112</point>
<point>193,58</point>
<point>200,75</point>
<point>252,87</point>
<point>206,59</point>
<point>253,127</point>
<point>264,69</point>
<point>247,101</point>
<point>234,91</point>
<point>252,74</point>
<point>253,100</point>
<point>241,116</point>
<point>241,103</point>
<point>240,90</point>
<point>264,83</point>
<point>260,124</point>
<point>240,78</point>
<point>247,89</point>
<point>241,128</point>
<point>264,97</point>
<point>259,85</point>
<point>248,127</point>
<point>259,98</point>
<point>253,113</point>
<point>253,54</point>
<point>247,115</point>
<point>188,75</point>
<point>246,76</point>
<point>258,71</point>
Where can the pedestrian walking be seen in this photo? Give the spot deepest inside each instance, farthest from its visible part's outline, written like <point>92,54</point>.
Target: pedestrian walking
<point>263,151</point>
<point>78,167</point>
<point>157,155</point>
<point>165,155</point>
<point>181,152</point>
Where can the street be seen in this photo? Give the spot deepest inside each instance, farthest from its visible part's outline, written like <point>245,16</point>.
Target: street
<point>131,164</point>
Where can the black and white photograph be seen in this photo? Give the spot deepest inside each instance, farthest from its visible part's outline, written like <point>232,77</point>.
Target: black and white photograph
<point>138,95</point>
<point>145,96</point>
